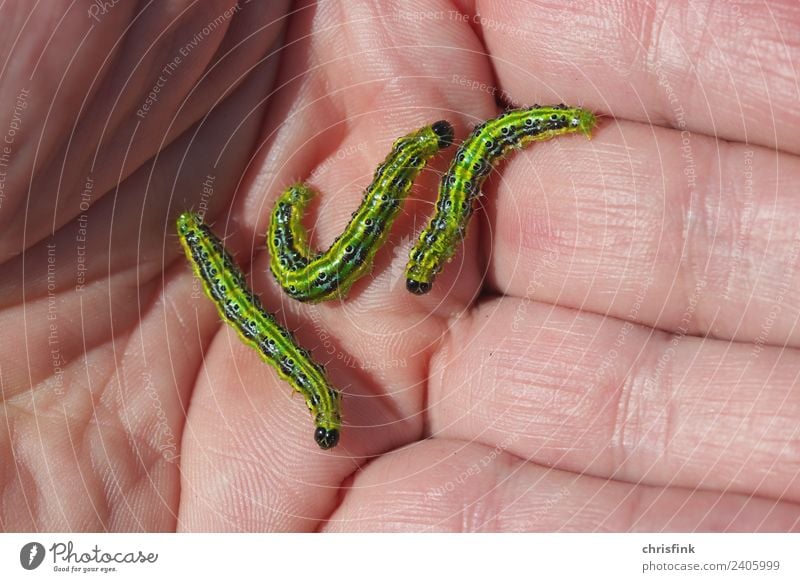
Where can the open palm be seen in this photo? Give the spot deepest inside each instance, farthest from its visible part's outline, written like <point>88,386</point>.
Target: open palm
<point>614,348</point>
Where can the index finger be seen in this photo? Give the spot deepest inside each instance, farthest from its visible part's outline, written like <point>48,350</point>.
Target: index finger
<point>692,66</point>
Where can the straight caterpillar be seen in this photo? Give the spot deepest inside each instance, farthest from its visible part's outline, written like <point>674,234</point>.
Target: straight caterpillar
<point>307,275</point>
<point>461,185</point>
<point>225,285</point>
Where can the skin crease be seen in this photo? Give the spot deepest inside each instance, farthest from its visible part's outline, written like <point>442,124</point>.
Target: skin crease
<point>611,350</point>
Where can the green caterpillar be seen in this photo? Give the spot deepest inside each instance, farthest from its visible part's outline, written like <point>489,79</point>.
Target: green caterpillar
<point>461,185</point>
<point>307,275</point>
<point>225,285</point>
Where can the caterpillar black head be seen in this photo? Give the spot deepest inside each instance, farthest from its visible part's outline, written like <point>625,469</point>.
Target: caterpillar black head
<point>444,132</point>
<point>326,438</point>
<point>417,287</point>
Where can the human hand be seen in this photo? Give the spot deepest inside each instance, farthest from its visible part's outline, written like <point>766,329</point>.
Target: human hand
<point>612,349</point>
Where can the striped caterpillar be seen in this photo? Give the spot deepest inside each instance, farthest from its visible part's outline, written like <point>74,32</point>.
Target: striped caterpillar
<point>461,185</point>
<point>225,285</point>
<point>311,276</point>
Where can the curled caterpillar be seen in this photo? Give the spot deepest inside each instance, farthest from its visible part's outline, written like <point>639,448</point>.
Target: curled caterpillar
<point>308,275</point>
<point>225,285</point>
<point>461,185</point>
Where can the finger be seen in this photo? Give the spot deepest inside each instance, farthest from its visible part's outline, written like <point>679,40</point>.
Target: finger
<point>639,222</point>
<point>446,485</point>
<point>92,278</point>
<point>723,72</point>
<point>591,394</point>
<point>165,77</point>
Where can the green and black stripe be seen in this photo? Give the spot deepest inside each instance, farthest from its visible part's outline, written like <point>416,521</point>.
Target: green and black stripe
<point>225,285</point>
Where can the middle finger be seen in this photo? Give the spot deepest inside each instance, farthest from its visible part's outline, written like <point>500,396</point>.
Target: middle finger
<point>642,221</point>
<point>586,393</point>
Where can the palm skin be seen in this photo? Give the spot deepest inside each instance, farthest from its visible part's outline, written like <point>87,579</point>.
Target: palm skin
<point>614,348</point>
